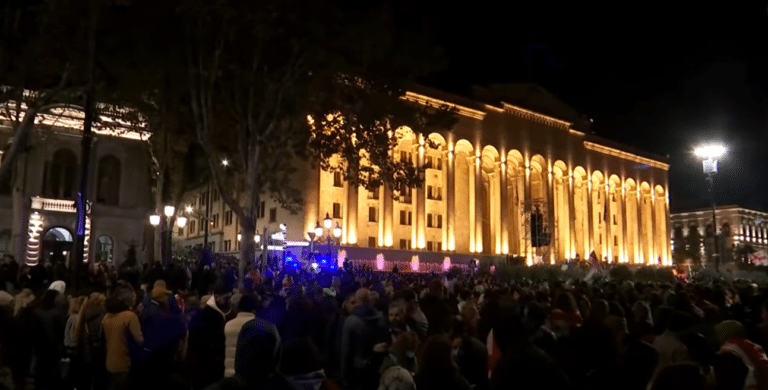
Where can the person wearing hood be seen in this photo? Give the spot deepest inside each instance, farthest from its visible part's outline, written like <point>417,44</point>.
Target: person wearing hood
<point>207,341</point>
<point>358,337</point>
<point>119,323</point>
<point>300,362</point>
<point>48,324</point>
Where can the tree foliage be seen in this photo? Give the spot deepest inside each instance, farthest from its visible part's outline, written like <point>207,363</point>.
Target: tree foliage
<point>259,71</point>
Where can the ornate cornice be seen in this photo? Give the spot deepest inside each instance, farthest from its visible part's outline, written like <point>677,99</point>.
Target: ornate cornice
<point>432,102</point>
<point>625,155</point>
<point>536,117</point>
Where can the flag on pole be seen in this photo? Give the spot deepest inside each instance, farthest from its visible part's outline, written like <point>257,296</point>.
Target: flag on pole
<point>594,263</point>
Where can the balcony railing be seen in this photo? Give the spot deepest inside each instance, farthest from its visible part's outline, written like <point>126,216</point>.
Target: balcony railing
<point>60,205</point>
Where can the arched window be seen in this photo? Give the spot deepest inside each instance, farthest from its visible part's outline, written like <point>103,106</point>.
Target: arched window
<point>108,190</point>
<point>60,175</point>
<point>106,246</point>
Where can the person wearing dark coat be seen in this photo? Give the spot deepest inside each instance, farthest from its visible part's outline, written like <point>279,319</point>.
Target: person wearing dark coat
<point>207,342</point>
<point>256,360</point>
<point>48,324</point>
<point>359,334</point>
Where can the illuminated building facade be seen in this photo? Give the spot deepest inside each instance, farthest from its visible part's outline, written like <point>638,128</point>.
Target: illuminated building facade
<point>737,226</point>
<point>37,202</point>
<point>518,175</point>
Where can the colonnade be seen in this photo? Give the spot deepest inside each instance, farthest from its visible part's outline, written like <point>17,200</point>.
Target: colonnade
<point>479,200</point>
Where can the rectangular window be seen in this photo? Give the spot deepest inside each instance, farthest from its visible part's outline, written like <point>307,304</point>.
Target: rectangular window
<point>372,242</point>
<point>227,217</point>
<point>406,157</point>
<point>438,193</point>
<point>439,221</point>
<point>215,221</point>
<point>204,199</point>
<point>615,240</point>
<point>215,196</point>
<point>262,208</point>
<point>439,246</point>
<point>273,214</point>
<point>429,246</point>
<point>614,220</point>
<point>192,226</point>
<point>439,164</point>
<point>405,217</point>
<point>337,210</point>
<point>373,194</point>
<point>373,214</point>
<point>405,195</point>
<point>337,182</point>
<point>212,245</point>
<point>429,192</point>
<point>429,163</point>
<point>429,220</point>
<point>403,244</point>
<point>181,232</point>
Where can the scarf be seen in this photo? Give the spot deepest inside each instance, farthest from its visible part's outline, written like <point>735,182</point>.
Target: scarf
<point>754,357</point>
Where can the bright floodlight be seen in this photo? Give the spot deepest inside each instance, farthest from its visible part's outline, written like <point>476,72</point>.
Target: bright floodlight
<point>181,221</point>
<point>169,210</point>
<point>283,227</point>
<point>154,219</point>
<point>239,236</point>
<point>327,222</point>
<point>337,231</point>
<point>710,151</point>
<point>257,238</point>
<point>188,209</point>
<point>318,230</point>
<point>225,162</point>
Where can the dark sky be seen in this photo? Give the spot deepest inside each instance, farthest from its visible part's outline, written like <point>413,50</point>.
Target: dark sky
<point>662,77</point>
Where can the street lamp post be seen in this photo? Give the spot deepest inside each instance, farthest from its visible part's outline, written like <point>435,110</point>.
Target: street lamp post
<point>709,155</point>
<point>166,230</point>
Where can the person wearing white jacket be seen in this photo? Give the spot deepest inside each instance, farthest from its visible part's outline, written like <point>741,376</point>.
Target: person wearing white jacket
<point>246,308</point>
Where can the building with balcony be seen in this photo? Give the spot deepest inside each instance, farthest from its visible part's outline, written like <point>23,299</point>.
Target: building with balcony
<point>737,227</point>
<point>518,175</point>
<point>37,202</point>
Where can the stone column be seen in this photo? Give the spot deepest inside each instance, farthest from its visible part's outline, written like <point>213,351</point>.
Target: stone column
<point>654,231</point>
<point>527,209</point>
<point>668,241</point>
<point>591,245</point>
<point>624,220</point>
<point>387,216</point>
<point>640,227</point>
<point>608,221</point>
<point>504,209</point>
<point>450,200</point>
<point>421,202</point>
<point>479,214</point>
<point>471,161</point>
<point>552,228</point>
<point>350,222</point>
<point>572,215</point>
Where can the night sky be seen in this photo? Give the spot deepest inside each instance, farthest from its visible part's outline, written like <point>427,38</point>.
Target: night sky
<point>661,77</point>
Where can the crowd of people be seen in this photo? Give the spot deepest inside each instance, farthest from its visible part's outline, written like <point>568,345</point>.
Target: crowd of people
<point>195,327</point>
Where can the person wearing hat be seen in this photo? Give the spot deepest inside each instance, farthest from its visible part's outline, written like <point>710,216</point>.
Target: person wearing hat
<point>732,335</point>
<point>164,334</point>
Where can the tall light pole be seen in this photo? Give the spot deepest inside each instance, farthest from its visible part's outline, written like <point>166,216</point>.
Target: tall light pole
<point>166,230</point>
<point>709,155</point>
